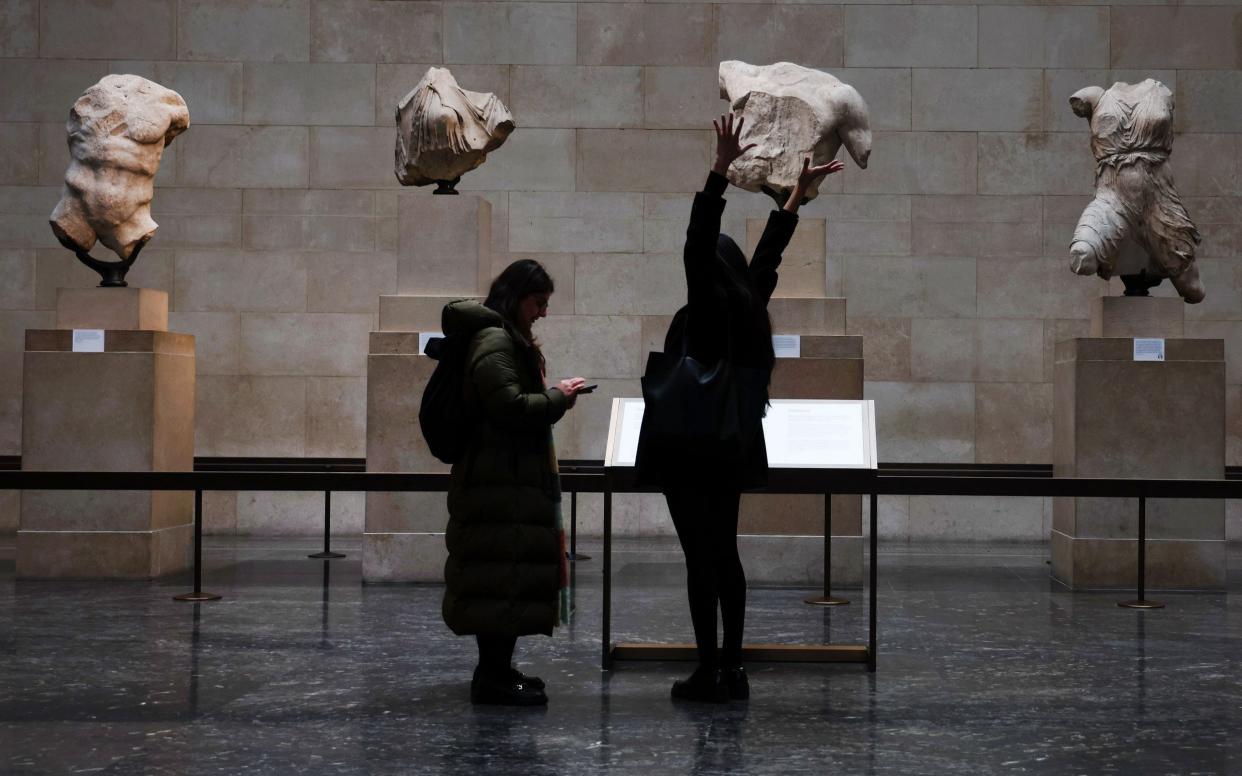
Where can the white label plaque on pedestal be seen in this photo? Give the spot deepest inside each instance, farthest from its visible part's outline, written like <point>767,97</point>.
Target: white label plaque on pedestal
<point>88,340</point>
<point>787,345</point>
<point>1148,349</point>
<point>424,337</point>
<point>800,433</point>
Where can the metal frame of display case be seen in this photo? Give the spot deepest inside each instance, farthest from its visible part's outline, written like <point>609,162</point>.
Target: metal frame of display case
<point>823,482</point>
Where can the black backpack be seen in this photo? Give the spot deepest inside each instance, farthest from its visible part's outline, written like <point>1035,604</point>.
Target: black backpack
<point>444,413</point>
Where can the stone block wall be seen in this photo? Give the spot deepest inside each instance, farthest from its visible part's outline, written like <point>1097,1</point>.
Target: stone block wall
<point>280,216</point>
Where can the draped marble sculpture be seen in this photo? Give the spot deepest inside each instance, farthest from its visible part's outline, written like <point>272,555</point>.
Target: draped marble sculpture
<point>118,130</point>
<point>444,131</point>
<point>1135,199</point>
<point>791,112</point>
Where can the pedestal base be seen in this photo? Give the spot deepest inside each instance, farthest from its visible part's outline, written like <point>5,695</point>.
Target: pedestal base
<point>103,554</point>
<point>403,539</point>
<point>1138,316</point>
<point>1116,417</point>
<point>403,557</point>
<point>784,532</point>
<point>1111,564</point>
<point>130,408</point>
<point>126,309</point>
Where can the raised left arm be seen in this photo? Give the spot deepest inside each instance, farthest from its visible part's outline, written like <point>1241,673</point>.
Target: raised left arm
<point>780,229</point>
<point>770,251</point>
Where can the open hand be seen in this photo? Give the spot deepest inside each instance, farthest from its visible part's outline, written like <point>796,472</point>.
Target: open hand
<point>728,142</point>
<point>807,177</point>
<point>809,173</point>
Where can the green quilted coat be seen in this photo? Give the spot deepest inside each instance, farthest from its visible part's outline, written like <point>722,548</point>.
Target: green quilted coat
<point>503,571</point>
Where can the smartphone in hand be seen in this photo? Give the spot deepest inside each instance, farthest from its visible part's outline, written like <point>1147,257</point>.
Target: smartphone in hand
<point>588,388</point>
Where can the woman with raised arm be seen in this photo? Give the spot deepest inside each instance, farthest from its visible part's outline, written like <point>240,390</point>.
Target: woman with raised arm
<point>719,344</point>
<point>505,576</point>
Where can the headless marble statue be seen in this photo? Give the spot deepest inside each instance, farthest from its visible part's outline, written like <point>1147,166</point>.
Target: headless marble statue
<point>444,131</point>
<point>792,112</point>
<point>118,130</point>
<point>1135,199</point>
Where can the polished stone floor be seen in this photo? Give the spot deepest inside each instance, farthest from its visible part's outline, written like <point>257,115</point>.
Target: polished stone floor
<point>984,667</point>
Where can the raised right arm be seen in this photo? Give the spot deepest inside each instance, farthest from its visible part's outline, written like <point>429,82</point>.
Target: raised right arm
<point>701,236</point>
<point>704,228</point>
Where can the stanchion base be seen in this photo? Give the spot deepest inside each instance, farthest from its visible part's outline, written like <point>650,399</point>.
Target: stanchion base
<point>326,555</point>
<point>1141,603</point>
<point>199,596</point>
<point>827,600</point>
<point>576,556</point>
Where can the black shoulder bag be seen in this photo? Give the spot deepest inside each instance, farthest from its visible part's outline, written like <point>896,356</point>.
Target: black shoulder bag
<point>706,411</point>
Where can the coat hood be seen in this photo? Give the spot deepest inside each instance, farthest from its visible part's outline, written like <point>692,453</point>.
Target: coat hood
<point>467,316</point>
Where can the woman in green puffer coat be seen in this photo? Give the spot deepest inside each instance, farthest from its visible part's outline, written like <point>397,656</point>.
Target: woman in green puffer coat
<point>506,566</point>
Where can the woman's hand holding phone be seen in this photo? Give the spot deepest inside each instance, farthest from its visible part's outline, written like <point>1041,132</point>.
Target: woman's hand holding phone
<point>571,387</point>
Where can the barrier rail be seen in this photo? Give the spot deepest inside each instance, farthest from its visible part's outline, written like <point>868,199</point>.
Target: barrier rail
<point>588,479</point>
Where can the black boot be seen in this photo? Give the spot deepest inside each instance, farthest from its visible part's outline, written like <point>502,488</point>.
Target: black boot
<point>737,684</point>
<point>504,690</point>
<point>705,684</point>
<point>529,681</point>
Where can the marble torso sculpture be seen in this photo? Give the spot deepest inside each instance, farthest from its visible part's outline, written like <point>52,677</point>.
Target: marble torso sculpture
<point>791,112</point>
<point>1131,138</point>
<point>118,130</point>
<point>444,131</point>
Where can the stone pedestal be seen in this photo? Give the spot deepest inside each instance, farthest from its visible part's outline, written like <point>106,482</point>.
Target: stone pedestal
<point>403,539</point>
<point>412,313</point>
<point>780,537</point>
<point>444,245</point>
<point>1138,316</point>
<point>123,309</point>
<point>444,253</point>
<point>1116,417</point>
<point>812,316</point>
<point>129,408</point>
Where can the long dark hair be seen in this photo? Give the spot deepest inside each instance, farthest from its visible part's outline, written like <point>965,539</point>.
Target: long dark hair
<point>749,323</point>
<point>518,281</point>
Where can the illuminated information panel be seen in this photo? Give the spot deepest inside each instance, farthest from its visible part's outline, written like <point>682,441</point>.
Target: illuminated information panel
<point>800,433</point>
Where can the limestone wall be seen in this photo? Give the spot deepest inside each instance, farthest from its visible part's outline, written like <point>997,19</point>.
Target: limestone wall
<point>278,208</point>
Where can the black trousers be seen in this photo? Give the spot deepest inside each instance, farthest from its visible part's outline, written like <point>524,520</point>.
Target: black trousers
<point>706,523</point>
<point>495,655</point>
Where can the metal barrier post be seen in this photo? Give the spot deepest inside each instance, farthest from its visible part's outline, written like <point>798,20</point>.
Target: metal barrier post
<point>827,599</point>
<point>606,627</point>
<point>875,540</point>
<point>327,553</point>
<point>198,594</point>
<point>1141,602</point>
<point>573,554</point>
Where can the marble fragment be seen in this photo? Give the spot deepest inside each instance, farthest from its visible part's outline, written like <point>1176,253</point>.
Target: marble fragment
<point>1136,226</point>
<point>791,112</point>
<point>118,130</point>
<point>444,131</point>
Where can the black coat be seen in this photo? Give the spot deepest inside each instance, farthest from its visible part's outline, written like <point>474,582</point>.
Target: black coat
<point>503,572</point>
<point>705,325</point>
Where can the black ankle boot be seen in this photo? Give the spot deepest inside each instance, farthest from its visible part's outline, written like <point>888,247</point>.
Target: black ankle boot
<point>530,681</point>
<point>737,683</point>
<point>504,690</point>
<point>705,684</point>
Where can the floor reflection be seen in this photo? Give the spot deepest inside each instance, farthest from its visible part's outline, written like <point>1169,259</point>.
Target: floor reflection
<point>985,666</point>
